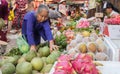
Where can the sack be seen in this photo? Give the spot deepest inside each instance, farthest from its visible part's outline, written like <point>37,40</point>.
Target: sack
<point>2,23</point>
<point>22,44</point>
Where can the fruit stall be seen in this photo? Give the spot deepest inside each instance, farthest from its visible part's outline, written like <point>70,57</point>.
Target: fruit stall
<point>82,50</point>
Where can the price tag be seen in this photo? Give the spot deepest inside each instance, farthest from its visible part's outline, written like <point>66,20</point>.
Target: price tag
<point>114,31</point>
<point>99,15</point>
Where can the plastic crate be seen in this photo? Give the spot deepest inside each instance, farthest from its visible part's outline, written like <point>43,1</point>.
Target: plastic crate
<point>112,50</point>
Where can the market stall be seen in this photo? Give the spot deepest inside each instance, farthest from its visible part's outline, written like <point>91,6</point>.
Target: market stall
<point>86,46</point>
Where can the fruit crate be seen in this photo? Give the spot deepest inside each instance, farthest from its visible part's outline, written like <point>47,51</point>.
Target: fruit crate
<point>109,67</point>
<point>112,50</point>
<point>53,68</point>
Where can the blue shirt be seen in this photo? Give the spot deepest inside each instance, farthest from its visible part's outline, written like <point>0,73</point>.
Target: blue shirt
<point>33,31</point>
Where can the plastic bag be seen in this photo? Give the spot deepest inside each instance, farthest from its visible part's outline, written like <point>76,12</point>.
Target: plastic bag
<point>22,44</point>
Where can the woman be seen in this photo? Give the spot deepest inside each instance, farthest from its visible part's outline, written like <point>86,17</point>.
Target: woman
<point>11,14</point>
<point>62,8</point>
<point>20,7</point>
<point>111,11</point>
<point>4,15</point>
<point>36,25</point>
<point>30,5</point>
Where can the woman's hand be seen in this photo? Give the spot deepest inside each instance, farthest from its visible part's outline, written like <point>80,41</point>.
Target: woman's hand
<point>52,46</point>
<point>33,48</point>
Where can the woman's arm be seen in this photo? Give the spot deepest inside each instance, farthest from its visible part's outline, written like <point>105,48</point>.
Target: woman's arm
<point>49,36</point>
<point>14,7</point>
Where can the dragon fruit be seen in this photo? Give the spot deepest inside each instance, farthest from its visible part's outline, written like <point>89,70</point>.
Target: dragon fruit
<point>69,35</point>
<point>64,58</point>
<point>113,21</point>
<point>83,24</point>
<point>84,58</point>
<point>64,65</point>
<point>83,65</point>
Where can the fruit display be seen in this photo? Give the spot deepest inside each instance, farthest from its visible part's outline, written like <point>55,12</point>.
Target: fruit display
<point>83,23</point>
<point>85,33</point>
<point>32,62</point>
<point>91,44</point>
<point>113,21</point>
<point>82,64</point>
<point>69,35</point>
<point>79,49</point>
<point>72,24</point>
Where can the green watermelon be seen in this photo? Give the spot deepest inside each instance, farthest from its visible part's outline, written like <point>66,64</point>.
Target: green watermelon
<point>24,68</point>
<point>8,68</point>
<point>46,68</point>
<point>37,63</point>
<point>44,51</point>
<point>30,55</point>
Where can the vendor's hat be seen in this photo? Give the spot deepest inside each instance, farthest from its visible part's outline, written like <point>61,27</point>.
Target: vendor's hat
<point>62,1</point>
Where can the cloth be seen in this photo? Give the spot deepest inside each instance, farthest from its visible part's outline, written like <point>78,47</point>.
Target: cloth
<point>11,15</point>
<point>18,19</point>
<point>114,13</point>
<point>54,14</point>
<point>33,30</point>
<point>4,10</point>
<point>20,5</point>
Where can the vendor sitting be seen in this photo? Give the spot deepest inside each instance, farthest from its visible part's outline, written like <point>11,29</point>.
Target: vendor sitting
<point>111,11</point>
<point>36,25</point>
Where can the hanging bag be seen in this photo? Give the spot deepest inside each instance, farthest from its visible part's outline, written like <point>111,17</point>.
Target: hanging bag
<point>22,44</point>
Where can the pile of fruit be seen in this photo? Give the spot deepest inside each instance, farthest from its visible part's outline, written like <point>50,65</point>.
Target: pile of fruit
<point>82,64</point>
<point>113,21</point>
<point>61,41</point>
<point>69,35</point>
<point>29,63</point>
<point>89,43</point>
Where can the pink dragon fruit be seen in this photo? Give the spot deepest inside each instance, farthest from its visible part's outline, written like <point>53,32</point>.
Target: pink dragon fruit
<point>64,58</point>
<point>64,65</point>
<point>84,58</point>
<point>83,24</point>
<point>83,65</point>
<point>113,21</point>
